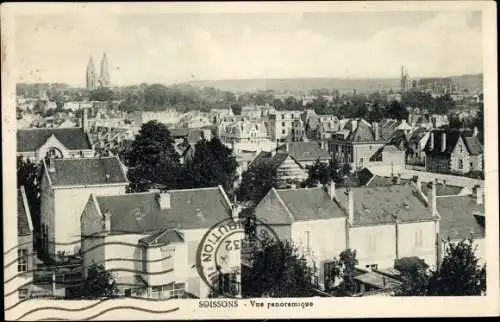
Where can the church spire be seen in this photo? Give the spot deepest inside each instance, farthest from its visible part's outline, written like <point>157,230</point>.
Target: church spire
<point>90,76</point>
<point>104,75</point>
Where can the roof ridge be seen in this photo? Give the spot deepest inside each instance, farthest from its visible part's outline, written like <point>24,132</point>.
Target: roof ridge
<point>283,204</point>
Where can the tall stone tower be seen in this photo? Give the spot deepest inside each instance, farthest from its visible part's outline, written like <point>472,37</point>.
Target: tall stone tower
<point>104,75</point>
<point>91,79</point>
<point>405,80</point>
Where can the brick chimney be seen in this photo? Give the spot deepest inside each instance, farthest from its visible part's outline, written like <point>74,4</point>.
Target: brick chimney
<point>164,200</point>
<point>331,189</point>
<point>350,205</point>
<point>432,199</point>
<point>431,143</point>
<point>443,141</point>
<point>376,130</point>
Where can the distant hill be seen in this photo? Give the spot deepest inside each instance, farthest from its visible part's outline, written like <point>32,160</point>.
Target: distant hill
<point>342,84</point>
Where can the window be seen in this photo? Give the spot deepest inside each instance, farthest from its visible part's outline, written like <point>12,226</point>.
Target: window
<point>418,238</point>
<point>22,260</point>
<point>283,124</point>
<point>179,289</point>
<point>23,293</point>
<point>282,116</point>
<point>471,165</point>
<point>460,164</point>
<point>371,266</point>
<point>282,131</point>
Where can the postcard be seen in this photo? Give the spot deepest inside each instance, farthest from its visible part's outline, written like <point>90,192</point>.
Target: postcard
<point>249,160</point>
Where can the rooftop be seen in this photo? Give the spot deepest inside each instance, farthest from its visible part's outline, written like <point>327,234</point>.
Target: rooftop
<point>87,171</point>
<point>457,217</point>
<point>29,140</point>
<point>379,205</point>
<point>163,237</point>
<point>310,204</point>
<point>378,280</point>
<point>189,209</point>
<point>24,224</point>
<point>306,151</point>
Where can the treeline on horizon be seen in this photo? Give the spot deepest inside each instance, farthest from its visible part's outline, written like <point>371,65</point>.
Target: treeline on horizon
<point>184,98</point>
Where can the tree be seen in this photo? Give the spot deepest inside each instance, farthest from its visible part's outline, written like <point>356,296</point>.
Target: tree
<point>213,164</point>
<point>340,275</point>
<point>152,158</point>
<point>102,94</point>
<point>99,283</point>
<point>28,176</point>
<point>416,275</point>
<point>278,269</point>
<point>459,274</point>
<point>396,110</point>
<point>236,108</point>
<point>319,173</point>
<point>257,181</point>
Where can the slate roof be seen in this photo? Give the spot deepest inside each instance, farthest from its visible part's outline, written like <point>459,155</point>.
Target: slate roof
<point>29,140</point>
<point>457,217</point>
<point>378,205</point>
<point>306,151</point>
<point>310,204</point>
<point>452,137</point>
<point>87,171</point>
<point>442,189</point>
<point>473,145</point>
<point>24,225</point>
<point>163,237</point>
<point>377,280</point>
<point>190,209</point>
<point>264,156</point>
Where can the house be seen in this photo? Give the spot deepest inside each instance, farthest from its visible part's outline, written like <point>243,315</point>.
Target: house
<point>463,217</point>
<point>356,143</point>
<point>246,131</point>
<point>306,153</point>
<point>281,124</point>
<point>65,187</point>
<point>416,146</point>
<point>150,240</point>
<point>450,151</point>
<point>35,144</point>
<point>310,218</point>
<point>382,223</point>
<point>25,253</point>
<point>288,170</point>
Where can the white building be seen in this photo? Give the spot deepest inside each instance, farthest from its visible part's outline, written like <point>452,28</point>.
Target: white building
<point>150,240</point>
<point>65,187</point>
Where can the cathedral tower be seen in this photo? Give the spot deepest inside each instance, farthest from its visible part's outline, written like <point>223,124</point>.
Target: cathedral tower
<point>91,79</point>
<point>104,75</point>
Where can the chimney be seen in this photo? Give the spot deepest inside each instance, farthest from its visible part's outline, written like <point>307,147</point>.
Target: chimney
<point>287,147</point>
<point>476,131</point>
<point>331,189</point>
<point>418,183</point>
<point>431,139</point>
<point>443,141</point>
<point>479,195</point>
<point>432,199</point>
<point>376,130</point>
<point>398,178</point>
<point>350,207</point>
<point>84,119</point>
<point>107,221</point>
<point>235,212</point>
<point>107,177</point>
<point>51,164</point>
<point>164,200</point>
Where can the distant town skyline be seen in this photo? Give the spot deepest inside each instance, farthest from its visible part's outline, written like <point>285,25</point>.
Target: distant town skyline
<point>173,48</point>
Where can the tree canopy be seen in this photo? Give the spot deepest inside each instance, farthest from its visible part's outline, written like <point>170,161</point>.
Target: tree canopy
<point>279,270</point>
<point>99,283</point>
<point>152,158</point>
<point>257,181</point>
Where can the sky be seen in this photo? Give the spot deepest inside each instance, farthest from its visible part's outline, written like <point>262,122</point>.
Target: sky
<point>178,47</point>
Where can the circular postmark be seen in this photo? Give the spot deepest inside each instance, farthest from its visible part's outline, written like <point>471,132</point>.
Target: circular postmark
<point>228,258</point>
